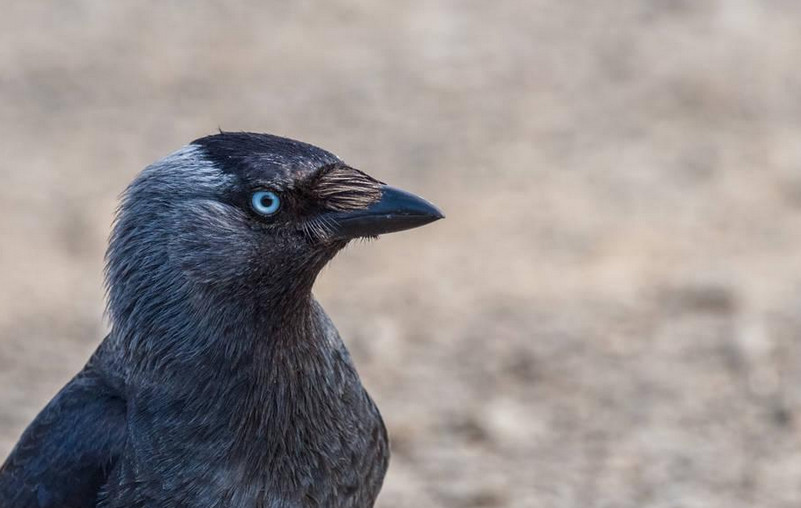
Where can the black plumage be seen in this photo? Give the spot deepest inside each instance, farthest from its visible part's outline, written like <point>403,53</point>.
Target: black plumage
<point>222,382</point>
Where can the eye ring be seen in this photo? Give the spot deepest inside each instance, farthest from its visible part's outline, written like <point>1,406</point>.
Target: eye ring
<point>265,202</point>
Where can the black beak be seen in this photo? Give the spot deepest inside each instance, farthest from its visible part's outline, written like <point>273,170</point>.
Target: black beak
<point>396,210</point>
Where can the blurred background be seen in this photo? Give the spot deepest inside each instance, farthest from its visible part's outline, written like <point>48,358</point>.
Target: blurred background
<point>610,316</point>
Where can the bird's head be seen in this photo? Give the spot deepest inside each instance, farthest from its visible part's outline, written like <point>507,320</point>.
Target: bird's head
<point>242,213</point>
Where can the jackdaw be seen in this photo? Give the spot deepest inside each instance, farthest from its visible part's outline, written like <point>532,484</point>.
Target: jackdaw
<point>222,382</point>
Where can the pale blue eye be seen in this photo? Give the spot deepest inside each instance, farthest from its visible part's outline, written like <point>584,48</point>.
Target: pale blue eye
<point>265,202</point>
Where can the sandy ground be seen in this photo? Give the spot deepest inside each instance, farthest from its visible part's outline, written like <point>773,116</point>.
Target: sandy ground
<point>609,317</point>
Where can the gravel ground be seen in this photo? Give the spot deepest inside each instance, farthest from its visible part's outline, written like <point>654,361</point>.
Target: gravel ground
<point>610,316</point>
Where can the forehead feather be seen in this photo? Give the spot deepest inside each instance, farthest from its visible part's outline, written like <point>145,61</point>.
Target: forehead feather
<point>263,158</point>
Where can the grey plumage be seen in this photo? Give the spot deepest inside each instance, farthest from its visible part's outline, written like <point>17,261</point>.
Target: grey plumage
<point>222,382</point>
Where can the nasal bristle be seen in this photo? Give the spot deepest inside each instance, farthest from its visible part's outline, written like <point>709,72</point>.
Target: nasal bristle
<point>339,187</point>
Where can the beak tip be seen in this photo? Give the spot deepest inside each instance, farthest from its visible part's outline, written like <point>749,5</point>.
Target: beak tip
<point>426,208</point>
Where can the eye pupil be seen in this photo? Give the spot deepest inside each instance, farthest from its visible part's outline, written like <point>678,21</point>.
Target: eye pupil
<point>265,202</point>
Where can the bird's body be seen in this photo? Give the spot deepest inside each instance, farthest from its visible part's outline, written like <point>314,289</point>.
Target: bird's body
<point>223,383</point>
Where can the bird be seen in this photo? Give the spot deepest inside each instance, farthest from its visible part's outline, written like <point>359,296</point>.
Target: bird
<point>222,382</point>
